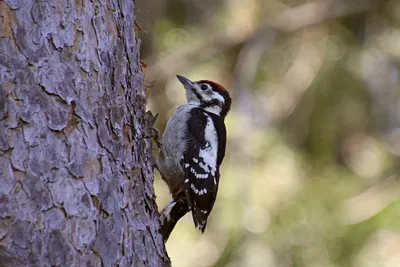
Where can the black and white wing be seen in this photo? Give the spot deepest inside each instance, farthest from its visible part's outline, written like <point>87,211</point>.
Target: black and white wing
<point>205,150</point>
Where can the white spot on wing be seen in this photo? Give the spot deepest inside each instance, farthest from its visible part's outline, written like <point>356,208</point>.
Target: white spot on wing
<point>198,175</point>
<point>195,190</point>
<point>202,176</point>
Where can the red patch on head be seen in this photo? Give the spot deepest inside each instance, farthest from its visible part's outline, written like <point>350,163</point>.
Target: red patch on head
<point>215,85</point>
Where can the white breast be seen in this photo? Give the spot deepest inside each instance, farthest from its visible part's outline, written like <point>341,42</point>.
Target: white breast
<point>210,152</point>
<point>211,137</point>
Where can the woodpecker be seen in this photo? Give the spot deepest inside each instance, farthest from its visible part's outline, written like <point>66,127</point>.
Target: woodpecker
<point>193,148</point>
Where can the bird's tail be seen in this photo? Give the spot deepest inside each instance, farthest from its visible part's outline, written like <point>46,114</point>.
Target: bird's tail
<point>171,214</point>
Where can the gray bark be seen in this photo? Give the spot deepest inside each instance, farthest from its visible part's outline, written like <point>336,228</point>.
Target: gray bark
<point>76,174</point>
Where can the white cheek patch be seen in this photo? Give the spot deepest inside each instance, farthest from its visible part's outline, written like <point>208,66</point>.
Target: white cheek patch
<point>209,96</point>
<point>219,97</point>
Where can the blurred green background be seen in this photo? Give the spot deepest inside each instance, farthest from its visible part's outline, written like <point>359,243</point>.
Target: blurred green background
<point>311,175</point>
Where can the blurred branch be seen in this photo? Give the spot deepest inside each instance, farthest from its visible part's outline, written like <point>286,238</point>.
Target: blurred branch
<point>371,202</point>
<point>317,12</point>
<point>288,21</point>
<point>209,45</point>
<point>288,93</point>
<point>246,67</point>
<point>282,97</point>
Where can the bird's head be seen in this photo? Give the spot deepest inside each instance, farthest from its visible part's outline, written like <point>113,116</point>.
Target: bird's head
<point>208,95</point>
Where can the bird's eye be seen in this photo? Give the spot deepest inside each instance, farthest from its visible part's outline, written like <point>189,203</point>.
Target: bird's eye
<point>204,87</point>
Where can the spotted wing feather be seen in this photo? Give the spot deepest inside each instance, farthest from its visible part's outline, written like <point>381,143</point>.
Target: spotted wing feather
<point>204,153</point>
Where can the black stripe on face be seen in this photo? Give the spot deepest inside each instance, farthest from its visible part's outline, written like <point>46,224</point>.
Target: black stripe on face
<point>225,107</point>
<point>204,103</point>
<point>211,103</point>
<point>199,97</point>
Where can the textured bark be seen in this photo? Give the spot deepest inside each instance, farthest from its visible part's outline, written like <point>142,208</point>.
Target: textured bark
<point>76,174</point>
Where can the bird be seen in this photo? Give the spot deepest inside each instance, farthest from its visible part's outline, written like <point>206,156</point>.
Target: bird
<point>193,148</point>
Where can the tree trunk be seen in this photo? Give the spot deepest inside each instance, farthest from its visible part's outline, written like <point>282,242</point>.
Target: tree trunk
<point>76,174</point>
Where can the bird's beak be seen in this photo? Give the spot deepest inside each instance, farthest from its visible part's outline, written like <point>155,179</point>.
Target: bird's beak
<point>185,81</point>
